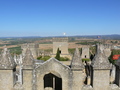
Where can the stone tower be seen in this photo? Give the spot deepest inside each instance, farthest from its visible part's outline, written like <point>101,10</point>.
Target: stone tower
<point>85,52</point>
<point>7,70</point>
<point>77,71</point>
<point>62,44</point>
<point>27,69</point>
<point>101,69</point>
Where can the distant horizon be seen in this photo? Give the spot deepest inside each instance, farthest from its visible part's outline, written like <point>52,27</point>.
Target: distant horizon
<point>20,18</point>
<point>56,36</point>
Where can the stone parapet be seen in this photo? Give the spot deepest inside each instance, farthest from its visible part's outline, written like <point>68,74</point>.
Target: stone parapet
<point>60,39</point>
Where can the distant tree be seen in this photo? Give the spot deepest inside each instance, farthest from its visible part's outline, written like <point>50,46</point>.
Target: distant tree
<point>58,54</point>
<point>60,58</point>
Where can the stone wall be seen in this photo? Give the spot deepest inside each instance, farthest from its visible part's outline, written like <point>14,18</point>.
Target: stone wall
<point>27,79</point>
<point>77,80</point>
<point>6,80</point>
<point>56,68</point>
<point>101,79</point>
<point>72,76</point>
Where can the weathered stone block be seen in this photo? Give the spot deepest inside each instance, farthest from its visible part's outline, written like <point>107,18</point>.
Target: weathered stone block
<point>101,79</point>
<point>27,79</point>
<point>6,79</point>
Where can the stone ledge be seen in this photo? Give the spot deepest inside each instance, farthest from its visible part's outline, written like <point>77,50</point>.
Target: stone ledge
<point>87,87</point>
<point>114,87</point>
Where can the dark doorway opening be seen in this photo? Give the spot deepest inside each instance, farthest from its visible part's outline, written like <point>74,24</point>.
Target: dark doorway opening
<point>52,81</point>
<point>60,51</point>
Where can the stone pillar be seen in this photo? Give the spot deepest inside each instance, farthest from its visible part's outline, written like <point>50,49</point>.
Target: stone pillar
<point>77,80</point>
<point>112,74</point>
<point>77,71</point>
<point>101,70</point>
<point>101,79</point>
<point>6,79</point>
<point>27,78</point>
<point>27,70</point>
<point>19,75</point>
<point>7,69</point>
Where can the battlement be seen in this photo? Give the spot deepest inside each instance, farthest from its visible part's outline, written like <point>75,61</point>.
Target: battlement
<point>104,46</point>
<point>33,74</point>
<point>60,39</point>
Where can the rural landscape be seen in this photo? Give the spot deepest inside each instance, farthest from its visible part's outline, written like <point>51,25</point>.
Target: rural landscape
<point>46,43</point>
<point>59,44</point>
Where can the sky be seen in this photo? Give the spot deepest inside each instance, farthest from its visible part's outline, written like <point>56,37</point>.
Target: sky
<point>57,17</point>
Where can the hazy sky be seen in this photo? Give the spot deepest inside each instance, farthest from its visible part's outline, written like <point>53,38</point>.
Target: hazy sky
<point>54,17</point>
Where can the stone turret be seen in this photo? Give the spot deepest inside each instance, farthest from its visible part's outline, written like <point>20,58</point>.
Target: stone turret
<point>76,63</point>
<point>7,70</point>
<point>100,69</point>
<point>6,60</point>
<point>28,58</point>
<point>100,60</point>
<point>27,68</point>
<point>77,70</point>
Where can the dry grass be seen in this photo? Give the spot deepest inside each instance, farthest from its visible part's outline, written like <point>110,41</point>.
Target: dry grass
<point>9,46</point>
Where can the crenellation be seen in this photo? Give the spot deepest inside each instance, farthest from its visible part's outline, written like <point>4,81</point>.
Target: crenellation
<point>60,39</point>
<point>24,72</point>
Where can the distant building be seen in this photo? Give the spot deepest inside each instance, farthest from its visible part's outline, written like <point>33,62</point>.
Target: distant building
<point>62,44</point>
<point>85,52</point>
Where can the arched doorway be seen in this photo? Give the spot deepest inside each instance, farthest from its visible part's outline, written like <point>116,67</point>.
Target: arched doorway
<point>52,82</point>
